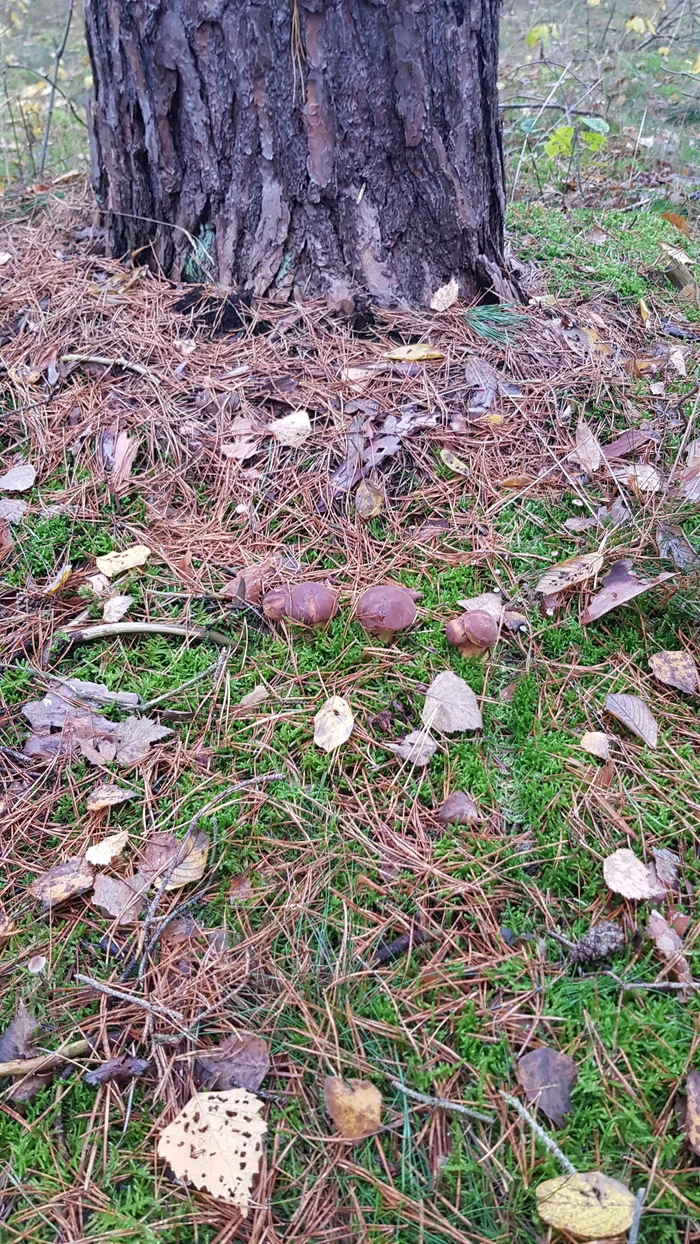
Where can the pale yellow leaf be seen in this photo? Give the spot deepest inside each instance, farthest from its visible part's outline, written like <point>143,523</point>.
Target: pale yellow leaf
<point>626,875</point>
<point>333,724</point>
<point>413,354</point>
<point>453,463</point>
<point>102,853</point>
<point>589,1205</point>
<point>596,744</point>
<point>215,1143</point>
<point>570,572</point>
<point>445,296</point>
<point>636,24</point>
<point>355,1107</point>
<point>62,882</point>
<point>292,430</point>
<point>450,705</point>
<point>116,607</point>
<point>112,564</point>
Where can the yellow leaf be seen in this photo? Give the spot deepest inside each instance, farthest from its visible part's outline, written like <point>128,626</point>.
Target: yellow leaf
<point>696,66</point>
<point>116,563</point>
<point>589,1205</point>
<point>102,853</point>
<point>55,584</point>
<point>643,311</point>
<point>636,24</point>
<point>663,51</point>
<point>413,354</point>
<point>333,724</point>
<point>369,500</point>
<point>453,463</point>
<point>63,881</point>
<point>593,4</point>
<point>215,1143</point>
<point>355,1107</point>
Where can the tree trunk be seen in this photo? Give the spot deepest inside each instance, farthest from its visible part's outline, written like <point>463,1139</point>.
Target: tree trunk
<point>324,147</point>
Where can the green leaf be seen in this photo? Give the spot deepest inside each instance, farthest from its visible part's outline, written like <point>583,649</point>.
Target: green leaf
<point>543,33</point>
<point>560,142</point>
<point>594,142</point>
<point>596,123</point>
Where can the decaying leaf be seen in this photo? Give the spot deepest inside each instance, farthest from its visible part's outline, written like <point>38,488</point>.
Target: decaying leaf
<point>450,705</point>
<point>418,748</point>
<point>121,1069</point>
<point>252,698</point>
<point>369,500</point>
<point>18,478</point>
<point>692,1113</point>
<point>675,669</point>
<point>666,864</point>
<point>181,861</point>
<point>482,380</point>
<point>588,452</point>
<point>589,1205</point>
<point>62,882</point>
<point>596,743</point>
<point>670,946</point>
<point>626,875</point>
<point>568,573</point>
<point>123,456</point>
<point>634,714</point>
<point>640,476</point>
<point>116,608</point>
<point>674,545</point>
<point>413,354</point>
<point>600,941</point>
<point>292,430</point>
<point>107,796</point>
<point>620,585</point>
<point>215,1143</point>
<point>453,463</point>
<point>112,564</point>
<point>95,693</point>
<point>11,510</point>
<point>689,481</point>
<point>100,854</point>
<point>355,1107</point>
<point>17,1041</point>
<point>547,1078</point>
<point>133,738</point>
<point>115,898</point>
<point>240,890</point>
<point>459,809</point>
<point>445,296</point>
<point>240,1061</point>
<point>333,724</point>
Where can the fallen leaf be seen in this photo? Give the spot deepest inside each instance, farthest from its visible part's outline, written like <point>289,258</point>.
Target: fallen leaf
<point>417,748</point>
<point>516,481</point>
<point>240,1061</point>
<point>292,430</point>
<point>674,545</point>
<point>619,586</point>
<point>487,602</point>
<point>675,669</point>
<point>589,1205</point>
<point>215,1143</point>
<point>121,1069</point>
<point>676,360</point>
<point>600,941</point>
<point>634,714</point>
<point>252,698</point>
<point>116,607</point>
<point>481,378</point>
<point>445,296</point>
<point>182,861</point>
<point>355,1106</point>
<point>112,564</point>
<point>5,257</point>
<point>588,452</point>
<point>134,736</point>
<point>640,476</point>
<point>692,1114</point>
<point>100,854</point>
<point>17,1041</point>
<point>626,875</point>
<point>107,796</point>
<point>369,500</point>
<point>453,463</point>
<point>123,455</point>
<point>547,1078</point>
<point>670,946</point>
<point>679,222</point>
<point>241,889</point>
<point>57,581</point>
<point>450,705</point>
<point>18,478</point>
<point>62,882</point>
<point>666,864</point>
<point>568,573</point>
<point>115,898</point>
<point>413,354</point>
<point>596,236</point>
<point>643,311</point>
<point>459,809</point>
<point>333,724</point>
<point>36,964</point>
<point>12,511</point>
<point>596,743</point>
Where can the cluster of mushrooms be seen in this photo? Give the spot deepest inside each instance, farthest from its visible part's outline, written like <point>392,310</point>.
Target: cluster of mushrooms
<point>382,611</point>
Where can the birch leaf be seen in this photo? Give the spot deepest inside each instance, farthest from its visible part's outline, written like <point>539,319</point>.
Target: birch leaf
<point>292,430</point>
<point>116,563</point>
<point>596,744</point>
<point>355,1107</point>
<point>634,714</point>
<point>413,354</point>
<point>62,882</point>
<point>117,899</point>
<point>626,875</point>
<point>589,1205</point>
<point>588,452</point>
<point>215,1143</point>
<point>333,724</point>
<point>570,572</point>
<point>450,705</point>
<point>19,478</point>
<point>417,748</point>
<point>620,585</point>
<point>102,853</point>
<point>676,669</point>
<point>453,463</point>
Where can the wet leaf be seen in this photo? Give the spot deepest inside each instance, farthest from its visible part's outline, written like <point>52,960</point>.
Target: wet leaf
<point>589,1205</point>
<point>112,564</point>
<point>674,545</point>
<point>240,1061</point>
<point>596,743</point>
<point>568,573</point>
<point>634,714</point>
<point>17,1041</point>
<point>619,586</point>
<point>418,748</point>
<point>107,796</point>
<point>413,354</point>
<point>453,463</point>
<point>445,296</point>
<point>670,946</point>
<point>692,1114</point>
<point>62,882</point>
<point>333,724</point>
<point>253,698</point>
<point>116,607</point>
<point>292,430</point>
<point>100,854</point>
<point>588,452</point>
<point>216,1143</point>
<point>450,705</point>
<point>182,861</point>
<point>675,669</point>
<point>547,1078</point>
<point>369,500</point>
<point>18,478</point>
<point>626,875</point>
<point>117,899</point>
<point>355,1106</point>
<point>121,1069</point>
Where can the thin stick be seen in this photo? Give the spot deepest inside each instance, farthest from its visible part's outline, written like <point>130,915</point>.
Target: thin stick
<point>107,362</point>
<point>662,985</point>
<point>26,1066</point>
<point>58,56</point>
<point>637,1218</point>
<point>109,630</point>
<point>539,1132</point>
<point>154,1008</point>
<point>189,682</point>
<point>441,1103</point>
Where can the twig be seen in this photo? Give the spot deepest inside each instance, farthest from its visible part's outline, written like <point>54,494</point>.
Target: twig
<point>107,362</point>
<point>154,1008</point>
<point>108,630</point>
<point>637,1218</point>
<point>539,1132</point>
<point>189,682</point>
<point>662,985</point>
<point>58,56</point>
<point>26,1066</point>
<point>441,1103</point>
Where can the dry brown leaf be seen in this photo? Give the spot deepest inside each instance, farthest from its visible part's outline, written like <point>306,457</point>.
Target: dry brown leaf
<point>116,608</point>
<point>626,875</point>
<point>62,882</point>
<point>182,861</point>
<point>355,1107</point>
<point>413,354</point>
<point>240,1061</point>
<point>445,296</point>
<point>589,1205</point>
<point>450,705</point>
<point>121,1069</point>
<point>670,945</point>
<point>634,714</point>
<point>568,573</point>
<point>547,1078</point>
<point>417,748</point>
<point>125,450</point>
<point>333,724</point>
<point>588,452</point>
<point>676,669</point>
<point>599,942</point>
<point>107,796</point>
<point>292,430</point>
<point>369,500</point>
<point>17,1041</point>
<point>215,1143</point>
<point>112,564</point>
<point>116,898</point>
<point>692,1113</point>
<point>620,585</point>
<point>627,442</point>
<point>18,478</point>
<point>241,889</point>
<point>100,854</point>
<point>674,545</point>
<point>666,864</point>
<point>640,476</point>
<point>596,743</point>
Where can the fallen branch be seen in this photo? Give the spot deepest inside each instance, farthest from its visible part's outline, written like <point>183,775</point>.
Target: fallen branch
<point>664,986</point>
<point>107,362</point>
<point>441,1103</point>
<point>111,629</point>
<point>539,1132</point>
<point>121,995</point>
<point>27,1066</point>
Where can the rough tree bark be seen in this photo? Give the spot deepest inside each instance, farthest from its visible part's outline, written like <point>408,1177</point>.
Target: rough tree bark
<point>327,147</point>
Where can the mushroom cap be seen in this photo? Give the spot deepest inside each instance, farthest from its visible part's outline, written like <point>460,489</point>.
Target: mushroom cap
<point>277,603</point>
<point>476,626</point>
<point>386,608</point>
<point>459,809</point>
<point>311,604</point>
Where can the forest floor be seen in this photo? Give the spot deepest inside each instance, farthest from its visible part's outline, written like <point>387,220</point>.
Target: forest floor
<point>331,924</point>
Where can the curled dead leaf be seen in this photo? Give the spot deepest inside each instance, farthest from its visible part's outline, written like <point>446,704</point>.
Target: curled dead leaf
<point>177,862</point>
<point>418,748</point>
<point>670,946</point>
<point>620,585</point>
<point>588,452</point>
<point>369,500</point>
<point>453,463</point>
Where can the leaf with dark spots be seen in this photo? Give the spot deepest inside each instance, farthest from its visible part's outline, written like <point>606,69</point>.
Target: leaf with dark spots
<point>620,585</point>
<point>241,1061</point>
<point>121,1069</point>
<point>63,882</point>
<point>547,1078</point>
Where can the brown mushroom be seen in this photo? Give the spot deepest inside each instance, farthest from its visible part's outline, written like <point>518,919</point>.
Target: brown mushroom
<point>473,631</point>
<point>459,809</point>
<point>385,609</point>
<point>311,604</point>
